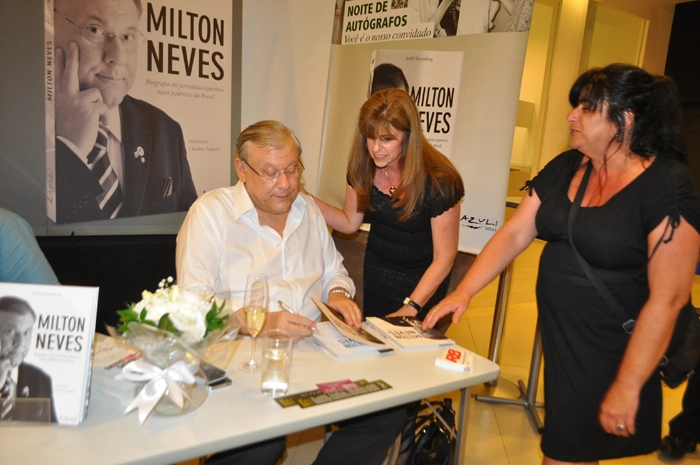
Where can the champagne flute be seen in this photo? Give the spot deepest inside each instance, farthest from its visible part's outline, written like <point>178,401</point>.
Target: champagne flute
<point>255,309</point>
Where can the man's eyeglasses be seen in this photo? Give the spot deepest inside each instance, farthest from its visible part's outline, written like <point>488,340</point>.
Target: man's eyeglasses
<point>293,172</point>
<point>98,36</point>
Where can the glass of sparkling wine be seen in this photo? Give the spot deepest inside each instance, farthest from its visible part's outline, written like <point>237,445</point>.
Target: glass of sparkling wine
<point>255,309</point>
<point>277,362</point>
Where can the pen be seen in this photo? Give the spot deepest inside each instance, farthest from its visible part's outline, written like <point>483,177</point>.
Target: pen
<point>286,307</point>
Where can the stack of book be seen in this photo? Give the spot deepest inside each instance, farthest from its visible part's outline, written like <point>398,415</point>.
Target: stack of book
<point>109,359</point>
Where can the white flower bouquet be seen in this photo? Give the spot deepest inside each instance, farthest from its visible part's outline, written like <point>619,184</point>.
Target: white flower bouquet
<point>193,315</point>
<point>173,328</point>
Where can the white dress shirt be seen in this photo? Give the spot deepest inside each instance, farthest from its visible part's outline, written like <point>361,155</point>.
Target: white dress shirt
<point>221,241</point>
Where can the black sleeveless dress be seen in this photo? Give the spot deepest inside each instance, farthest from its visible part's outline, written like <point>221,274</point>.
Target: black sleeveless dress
<point>582,339</point>
<point>398,253</point>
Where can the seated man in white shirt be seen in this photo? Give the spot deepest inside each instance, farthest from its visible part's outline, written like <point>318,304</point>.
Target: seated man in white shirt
<point>263,225</point>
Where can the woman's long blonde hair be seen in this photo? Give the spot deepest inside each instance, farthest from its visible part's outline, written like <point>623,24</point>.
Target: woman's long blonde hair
<point>419,160</point>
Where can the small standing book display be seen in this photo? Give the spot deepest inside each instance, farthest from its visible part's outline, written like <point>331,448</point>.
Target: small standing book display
<point>405,333</point>
<point>47,334</point>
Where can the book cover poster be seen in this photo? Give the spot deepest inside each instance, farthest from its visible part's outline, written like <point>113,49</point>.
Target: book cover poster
<point>484,117</point>
<point>47,334</point>
<point>138,105</point>
<point>432,78</point>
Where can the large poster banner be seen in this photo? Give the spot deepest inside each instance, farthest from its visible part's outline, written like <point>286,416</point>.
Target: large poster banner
<point>138,106</point>
<point>365,21</point>
<point>487,82</point>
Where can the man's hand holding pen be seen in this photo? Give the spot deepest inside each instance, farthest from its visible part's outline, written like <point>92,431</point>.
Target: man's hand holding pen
<point>298,326</point>
<point>289,309</point>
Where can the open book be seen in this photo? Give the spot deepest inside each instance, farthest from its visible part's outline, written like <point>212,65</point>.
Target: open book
<point>359,335</point>
<point>342,347</point>
<point>405,332</point>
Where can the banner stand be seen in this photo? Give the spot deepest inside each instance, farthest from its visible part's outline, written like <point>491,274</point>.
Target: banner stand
<point>528,393</point>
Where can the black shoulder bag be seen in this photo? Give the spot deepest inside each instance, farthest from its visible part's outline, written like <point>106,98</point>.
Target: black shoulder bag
<point>683,351</point>
<point>435,435</point>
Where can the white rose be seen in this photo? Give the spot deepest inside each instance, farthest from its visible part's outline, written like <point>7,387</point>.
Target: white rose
<point>155,311</point>
<point>140,306</point>
<point>190,321</point>
<point>187,310</point>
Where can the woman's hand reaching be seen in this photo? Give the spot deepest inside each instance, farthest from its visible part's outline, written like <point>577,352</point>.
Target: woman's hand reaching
<point>455,302</point>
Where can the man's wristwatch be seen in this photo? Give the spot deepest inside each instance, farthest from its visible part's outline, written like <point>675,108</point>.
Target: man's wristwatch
<point>412,303</point>
<point>340,290</point>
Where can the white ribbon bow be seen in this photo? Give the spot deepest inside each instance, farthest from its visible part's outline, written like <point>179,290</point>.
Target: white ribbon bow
<point>158,381</point>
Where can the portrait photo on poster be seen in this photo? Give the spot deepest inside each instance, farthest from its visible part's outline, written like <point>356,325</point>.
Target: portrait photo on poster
<point>131,81</point>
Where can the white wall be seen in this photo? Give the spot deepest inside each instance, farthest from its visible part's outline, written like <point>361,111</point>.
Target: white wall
<point>567,53</point>
<point>286,53</point>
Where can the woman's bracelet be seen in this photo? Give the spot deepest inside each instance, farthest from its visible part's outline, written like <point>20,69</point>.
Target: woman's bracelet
<point>412,303</point>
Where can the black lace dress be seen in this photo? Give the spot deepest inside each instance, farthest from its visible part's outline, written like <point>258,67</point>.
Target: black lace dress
<point>582,339</point>
<point>398,253</point>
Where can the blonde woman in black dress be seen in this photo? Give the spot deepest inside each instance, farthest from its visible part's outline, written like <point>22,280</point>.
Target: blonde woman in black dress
<point>409,193</point>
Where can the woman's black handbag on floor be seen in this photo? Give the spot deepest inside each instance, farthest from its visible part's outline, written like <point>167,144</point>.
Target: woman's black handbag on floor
<point>683,351</point>
<point>434,442</point>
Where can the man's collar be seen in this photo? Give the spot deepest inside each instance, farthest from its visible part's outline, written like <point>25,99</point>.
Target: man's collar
<point>244,204</point>
<point>113,121</point>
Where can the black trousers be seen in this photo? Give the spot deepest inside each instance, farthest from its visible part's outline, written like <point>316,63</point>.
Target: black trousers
<point>362,440</point>
<point>687,423</point>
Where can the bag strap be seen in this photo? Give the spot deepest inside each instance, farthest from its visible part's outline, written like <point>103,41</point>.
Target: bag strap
<point>628,324</point>
<point>439,416</point>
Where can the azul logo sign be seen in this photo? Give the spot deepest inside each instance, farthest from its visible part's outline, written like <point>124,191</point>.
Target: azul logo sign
<point>478,223</point>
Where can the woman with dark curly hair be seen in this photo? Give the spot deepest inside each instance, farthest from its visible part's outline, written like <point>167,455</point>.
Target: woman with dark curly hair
<point>637,227</point>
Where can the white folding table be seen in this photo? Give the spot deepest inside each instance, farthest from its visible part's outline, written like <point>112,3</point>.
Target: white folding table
<point>240,414</point>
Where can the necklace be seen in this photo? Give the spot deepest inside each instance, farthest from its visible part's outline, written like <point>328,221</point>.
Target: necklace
<point>392,189</point>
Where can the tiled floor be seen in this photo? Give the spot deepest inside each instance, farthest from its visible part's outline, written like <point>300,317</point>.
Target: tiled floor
<point>502,434</point>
